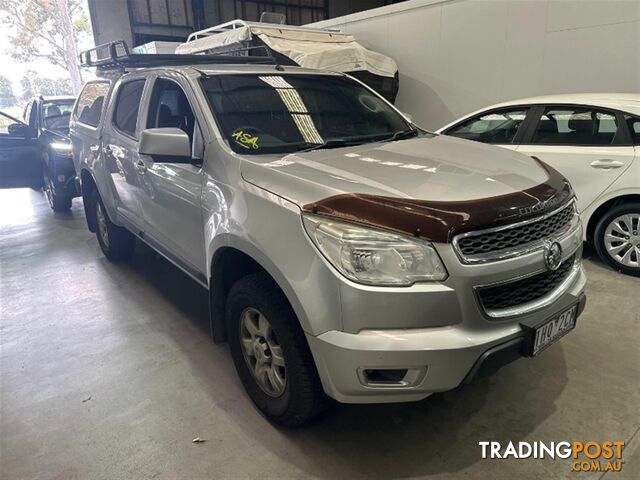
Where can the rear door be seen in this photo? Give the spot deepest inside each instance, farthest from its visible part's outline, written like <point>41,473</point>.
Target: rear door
<point>20,160</point>
<point>84,129</point>
<point>171,192</point>
<point>120,150</point>
<point>590,146</point>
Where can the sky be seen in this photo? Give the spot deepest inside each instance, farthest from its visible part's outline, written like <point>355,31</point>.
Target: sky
<point>15,70</point>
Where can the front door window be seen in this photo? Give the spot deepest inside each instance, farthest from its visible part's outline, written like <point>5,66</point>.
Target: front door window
<point>500,126</point>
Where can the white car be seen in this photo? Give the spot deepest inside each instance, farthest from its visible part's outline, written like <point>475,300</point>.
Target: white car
<point>594,141</point>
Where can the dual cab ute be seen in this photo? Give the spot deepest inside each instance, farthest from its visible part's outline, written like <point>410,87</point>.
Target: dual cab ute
<point>347,252</point>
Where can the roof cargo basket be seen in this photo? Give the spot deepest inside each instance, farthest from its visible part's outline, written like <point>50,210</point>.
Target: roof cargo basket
<point>115,56</point>
<point>237,23</point>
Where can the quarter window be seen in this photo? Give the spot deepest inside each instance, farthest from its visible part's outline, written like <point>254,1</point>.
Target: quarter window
<point>499,126</point>
<point>125,115</point>
<point>575,126</point>
<point>634,128</point>
<point>89,106</point>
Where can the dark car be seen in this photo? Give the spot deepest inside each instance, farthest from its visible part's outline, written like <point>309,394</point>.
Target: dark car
<point>36,152</point>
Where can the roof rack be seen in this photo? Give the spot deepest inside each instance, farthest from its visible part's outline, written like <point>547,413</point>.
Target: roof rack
<point>233,24</point>
<point>116,56</point>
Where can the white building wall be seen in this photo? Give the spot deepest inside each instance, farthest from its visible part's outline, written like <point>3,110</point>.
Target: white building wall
<point>456,56</point>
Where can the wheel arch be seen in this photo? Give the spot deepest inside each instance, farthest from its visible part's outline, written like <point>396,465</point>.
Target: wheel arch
<point>229,263</point>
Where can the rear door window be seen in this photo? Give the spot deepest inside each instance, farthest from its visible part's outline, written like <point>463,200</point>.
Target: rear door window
<point>575,126</point>
<point>498,126</point>
<point>125,114</point>
<point>89,105</point>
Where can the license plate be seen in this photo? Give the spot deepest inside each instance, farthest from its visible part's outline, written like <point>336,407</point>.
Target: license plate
<point>551,331</point>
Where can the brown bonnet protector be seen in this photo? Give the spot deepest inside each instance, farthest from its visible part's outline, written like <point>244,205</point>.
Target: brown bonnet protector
<point>441,221</point>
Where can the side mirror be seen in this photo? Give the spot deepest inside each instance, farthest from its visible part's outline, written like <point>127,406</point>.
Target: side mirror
<point>19,130</point>
<point>165,145</point>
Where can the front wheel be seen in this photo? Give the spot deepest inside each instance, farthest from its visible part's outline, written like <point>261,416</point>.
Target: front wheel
<point>117,243</point>
<point>58,203</point>
<point>270,352</point>
<point>617,238</point>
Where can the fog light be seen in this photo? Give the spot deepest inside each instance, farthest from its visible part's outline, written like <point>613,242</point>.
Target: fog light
<point>391,377</point>
<point>385,375</point>
<point>61,178</point>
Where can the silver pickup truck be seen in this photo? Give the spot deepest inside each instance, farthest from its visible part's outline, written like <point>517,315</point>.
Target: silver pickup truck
<point>347,252</point>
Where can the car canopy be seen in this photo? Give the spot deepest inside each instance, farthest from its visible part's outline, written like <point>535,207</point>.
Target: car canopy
<point>304,46</point>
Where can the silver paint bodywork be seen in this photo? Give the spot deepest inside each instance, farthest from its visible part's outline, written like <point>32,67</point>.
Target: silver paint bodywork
<point>253,204</point>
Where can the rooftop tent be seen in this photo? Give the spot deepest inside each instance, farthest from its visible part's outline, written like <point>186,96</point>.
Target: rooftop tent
<point>304,46</point>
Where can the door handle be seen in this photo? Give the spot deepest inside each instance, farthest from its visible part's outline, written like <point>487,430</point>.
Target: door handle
<point>140,166</point>
<point>606,164</point>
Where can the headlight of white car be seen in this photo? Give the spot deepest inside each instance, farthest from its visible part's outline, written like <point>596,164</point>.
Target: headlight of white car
<point>374,257</point>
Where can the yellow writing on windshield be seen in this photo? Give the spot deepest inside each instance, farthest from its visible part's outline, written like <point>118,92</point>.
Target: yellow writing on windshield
<point>245,140</point>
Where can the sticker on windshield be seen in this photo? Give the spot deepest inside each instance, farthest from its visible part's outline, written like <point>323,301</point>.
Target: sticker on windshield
<point>245,139</point>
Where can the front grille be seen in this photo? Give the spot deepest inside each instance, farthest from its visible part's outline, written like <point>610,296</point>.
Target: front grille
<point>483,243</point>
<point>528,289</point>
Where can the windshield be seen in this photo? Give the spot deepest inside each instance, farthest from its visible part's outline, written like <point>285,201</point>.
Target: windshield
<point>286,113</point>
<point>56,114</point>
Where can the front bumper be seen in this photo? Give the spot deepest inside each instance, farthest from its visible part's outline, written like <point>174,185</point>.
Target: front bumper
<point>437,359</point>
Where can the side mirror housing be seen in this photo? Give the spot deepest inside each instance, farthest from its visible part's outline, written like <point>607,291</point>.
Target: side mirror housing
<point>165,145</point>
<point>19,130</point>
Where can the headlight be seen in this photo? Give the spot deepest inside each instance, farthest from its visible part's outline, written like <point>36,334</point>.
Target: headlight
<point>61,148</point>
<point>374,257</point>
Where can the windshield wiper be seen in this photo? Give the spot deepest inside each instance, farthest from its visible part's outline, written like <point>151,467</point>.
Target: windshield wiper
<point>329,143</point>
<point>402,134</point>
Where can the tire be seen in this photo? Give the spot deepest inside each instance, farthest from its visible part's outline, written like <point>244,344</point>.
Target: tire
<point>623,255</point>
<point>58,203</point>
<point>117,243</point>
<point>302,396</point>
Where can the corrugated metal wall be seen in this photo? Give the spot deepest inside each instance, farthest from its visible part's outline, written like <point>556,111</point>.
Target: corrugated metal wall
<point>142,21</point>
<point>298,12</point>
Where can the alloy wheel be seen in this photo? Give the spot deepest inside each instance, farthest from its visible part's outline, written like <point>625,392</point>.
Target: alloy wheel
<point>262,352</point>
<point>622,239</point>
<point>48,190</point>
<point>102,225</point>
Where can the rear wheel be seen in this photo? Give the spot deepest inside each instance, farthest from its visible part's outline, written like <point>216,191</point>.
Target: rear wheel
<point>270,352</point>
<point>117,243</point>
<point>617,238</point>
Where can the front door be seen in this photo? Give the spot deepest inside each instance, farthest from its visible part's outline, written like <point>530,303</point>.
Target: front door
<point>20,160</point>
<point>171,192</point>
<point>584,144</point>
<point>120,151</point>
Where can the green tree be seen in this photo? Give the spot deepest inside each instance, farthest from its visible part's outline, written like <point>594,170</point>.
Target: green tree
<point>7,97</point>
<point>28,84</point>
<point>34,84</point>
<point>46,29</point>
<point>63,86</point>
